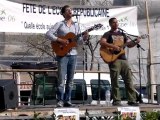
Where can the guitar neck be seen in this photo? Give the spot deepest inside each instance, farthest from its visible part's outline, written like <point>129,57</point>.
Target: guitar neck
<point>140,37</point>
<point>81,34</point>
<point>134,41</point>
<point>88,30</point>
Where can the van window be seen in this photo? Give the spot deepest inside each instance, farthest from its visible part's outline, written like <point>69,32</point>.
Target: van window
<point>44,88</point>
<point>122,89</point>
<point>44,85</point>
<point>104,85</point>
<point>79,91</point>
<point>143,91</point>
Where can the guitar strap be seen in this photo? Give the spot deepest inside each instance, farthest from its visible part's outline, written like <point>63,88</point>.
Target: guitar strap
<point>109,39</point>
<point>125,37</point>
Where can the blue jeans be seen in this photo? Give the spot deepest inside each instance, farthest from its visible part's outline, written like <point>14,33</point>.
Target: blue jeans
<point>66,68</point>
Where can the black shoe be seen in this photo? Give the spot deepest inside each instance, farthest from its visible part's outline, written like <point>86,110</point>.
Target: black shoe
<point>116,103</point>
<point>133,104</point>
<point>68,104</point>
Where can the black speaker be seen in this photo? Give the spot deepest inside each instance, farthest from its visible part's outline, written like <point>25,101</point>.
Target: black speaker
<point>8,94</point>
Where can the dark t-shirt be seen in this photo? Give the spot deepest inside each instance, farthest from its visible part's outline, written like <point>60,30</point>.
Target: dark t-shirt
<point>113,37</point>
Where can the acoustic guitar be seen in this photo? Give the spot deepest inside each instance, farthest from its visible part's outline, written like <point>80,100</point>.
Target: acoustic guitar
<point>62,50</point>
<point>109,55</point>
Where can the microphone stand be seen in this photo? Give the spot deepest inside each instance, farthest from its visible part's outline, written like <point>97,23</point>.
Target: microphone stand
<point>84,55</point>
<point>139,64</point>
<point>139,61</point>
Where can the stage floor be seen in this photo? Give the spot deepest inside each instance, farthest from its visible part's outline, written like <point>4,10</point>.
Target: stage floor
<point>91,110</point>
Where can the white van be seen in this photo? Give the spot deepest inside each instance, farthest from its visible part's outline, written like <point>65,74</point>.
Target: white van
<point>92,86</point>
<point>88,88</point>
<point>85,88</point>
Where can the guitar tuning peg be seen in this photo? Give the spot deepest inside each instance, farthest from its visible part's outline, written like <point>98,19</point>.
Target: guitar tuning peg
<point>144,36</point>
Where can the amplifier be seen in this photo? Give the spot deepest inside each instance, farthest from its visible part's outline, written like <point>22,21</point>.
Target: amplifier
<point>29,65</point>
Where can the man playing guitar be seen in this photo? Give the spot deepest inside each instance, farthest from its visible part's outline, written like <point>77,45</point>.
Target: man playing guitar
<point>112,44</point>
<point>66,59</point>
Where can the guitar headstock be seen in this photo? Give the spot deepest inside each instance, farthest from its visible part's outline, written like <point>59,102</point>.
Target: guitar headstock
<point>144,36</point>
<point>95,27</point>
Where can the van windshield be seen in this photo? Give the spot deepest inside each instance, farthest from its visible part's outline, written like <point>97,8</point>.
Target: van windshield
<point>101,85</point>
<point>79,91</point>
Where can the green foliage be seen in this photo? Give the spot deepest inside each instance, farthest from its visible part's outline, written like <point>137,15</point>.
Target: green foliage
<point>144,116</point>
<point>36,115</point>
<point>119,117</point>
<point>151,116</point>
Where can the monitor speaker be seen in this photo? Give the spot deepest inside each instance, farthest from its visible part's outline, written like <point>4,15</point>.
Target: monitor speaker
<point>9,94</point>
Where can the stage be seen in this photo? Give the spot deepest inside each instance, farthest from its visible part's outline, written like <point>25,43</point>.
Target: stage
<point>47,111</point>
<point>28,112</point>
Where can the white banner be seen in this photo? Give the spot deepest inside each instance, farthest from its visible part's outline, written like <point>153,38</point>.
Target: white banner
<point>35,18</point>
<point>66,113</point>
<point>129,113</point>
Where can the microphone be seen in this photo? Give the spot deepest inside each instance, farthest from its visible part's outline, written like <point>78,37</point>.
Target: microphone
<point>75,15</point>
<point>121,29</point>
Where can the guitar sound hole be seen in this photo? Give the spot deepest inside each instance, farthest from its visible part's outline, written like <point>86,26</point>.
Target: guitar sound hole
<point>116,52</point>
<point>61,47</point>
<point>69,40</point>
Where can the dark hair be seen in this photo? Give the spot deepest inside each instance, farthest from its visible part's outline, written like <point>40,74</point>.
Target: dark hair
<point>64,9</point>
<point>111,20</point>
<point>59,116</point>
